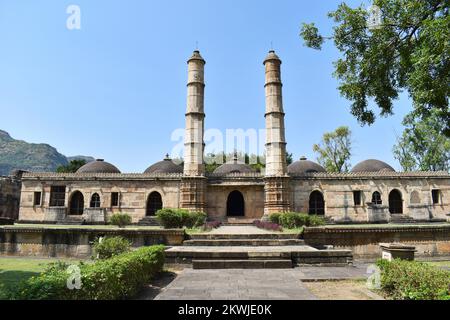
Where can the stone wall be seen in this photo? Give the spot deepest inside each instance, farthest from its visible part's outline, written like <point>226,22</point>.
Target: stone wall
<point>217,196</point>
<point>430,240</point>
<point>9,197</point>
<point>133,196</point>
<point>337,191</point>
<point>75,242</point>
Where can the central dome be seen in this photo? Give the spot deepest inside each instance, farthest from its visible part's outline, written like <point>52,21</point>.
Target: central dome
<point>98,166</point>
<point>372,165</point>
<point>304,166</point>
<point>165,166</point>
<point>234,166</point>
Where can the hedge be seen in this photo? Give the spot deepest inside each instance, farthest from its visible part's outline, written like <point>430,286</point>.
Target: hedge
<point>179,218</point>
<point>409,280</point>
<point>116,278</point>
<point>292,220</point>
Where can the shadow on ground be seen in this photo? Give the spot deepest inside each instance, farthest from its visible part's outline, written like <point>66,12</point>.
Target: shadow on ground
<point>162,280</point>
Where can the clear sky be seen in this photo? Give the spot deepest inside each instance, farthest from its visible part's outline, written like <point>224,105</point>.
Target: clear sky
<point>116,88</point>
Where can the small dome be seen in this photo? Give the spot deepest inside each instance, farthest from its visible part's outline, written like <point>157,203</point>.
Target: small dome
<point>196,56</point>
<point>165,166</point>
<point>98,166</point>
<point>372,165</point>
<point>234,166</point>
<point>304,166</point>
<point>272,56</point>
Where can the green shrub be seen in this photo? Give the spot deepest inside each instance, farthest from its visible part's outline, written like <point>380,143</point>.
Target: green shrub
<point>111,279</point>
<point>170,218</point>
<point>179,218</point>
<point>195,219</point>
<point>275,217</point>
<point>410,280</point>
<point>120,219</point>
<point>315,221</point>
<point>291,220</point>
<point>110,246</point>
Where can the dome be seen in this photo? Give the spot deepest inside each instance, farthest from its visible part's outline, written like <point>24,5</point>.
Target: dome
<point>98,166</point>
<point>234,166</point>
<point>165,166</point>
<point>272,56</point>
<point>304,166</point>
<point>372,165</point>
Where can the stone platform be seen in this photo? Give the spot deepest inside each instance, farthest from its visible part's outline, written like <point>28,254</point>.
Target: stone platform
<point>247,247</point>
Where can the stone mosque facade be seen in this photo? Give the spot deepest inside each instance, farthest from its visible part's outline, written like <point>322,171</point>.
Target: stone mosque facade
<point>371,192</point>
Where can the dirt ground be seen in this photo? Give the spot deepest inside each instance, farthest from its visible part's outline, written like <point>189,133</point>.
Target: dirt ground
<point>342,290</point>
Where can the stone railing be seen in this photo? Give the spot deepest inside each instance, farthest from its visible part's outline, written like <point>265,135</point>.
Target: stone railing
<point>94,215</point>
<point>55,214</point>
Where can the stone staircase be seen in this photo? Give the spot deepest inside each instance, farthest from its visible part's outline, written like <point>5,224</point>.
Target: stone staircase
<point>238,222</point>
<point>252,251</point>
<point>148,221</point>
<point>401,219</point>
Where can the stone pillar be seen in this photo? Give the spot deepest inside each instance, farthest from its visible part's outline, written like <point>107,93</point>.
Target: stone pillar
<point>277,196</point>
<point>194,182</point>
<point>195,115</point>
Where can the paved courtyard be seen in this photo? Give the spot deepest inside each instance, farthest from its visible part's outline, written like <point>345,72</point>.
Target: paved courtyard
<point>247,284</point>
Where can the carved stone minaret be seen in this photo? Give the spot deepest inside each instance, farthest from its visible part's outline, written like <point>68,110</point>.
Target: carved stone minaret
<point>194,181</point>
<point>277,196</point>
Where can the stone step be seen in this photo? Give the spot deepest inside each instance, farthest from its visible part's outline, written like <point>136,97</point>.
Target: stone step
<point>257,236</point>
<point>300,254</point>
<point>242,264</point>
<point>148,221</point>
<point>401,218</point>
<point>244,242</point>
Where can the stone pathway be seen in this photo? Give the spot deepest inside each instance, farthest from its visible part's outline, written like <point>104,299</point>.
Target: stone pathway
<point>239,230</point>
<point>263,284</point>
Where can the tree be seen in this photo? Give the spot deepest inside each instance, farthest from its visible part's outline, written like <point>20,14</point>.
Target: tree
<point>335,150</point>
<point>409,49</point>
<point>72,167</point>
<point>422,146</point>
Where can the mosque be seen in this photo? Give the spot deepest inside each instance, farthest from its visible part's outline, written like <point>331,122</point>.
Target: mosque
<point>372,192</point>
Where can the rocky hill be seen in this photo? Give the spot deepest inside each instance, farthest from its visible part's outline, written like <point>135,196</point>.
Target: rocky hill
<point>18,154</point>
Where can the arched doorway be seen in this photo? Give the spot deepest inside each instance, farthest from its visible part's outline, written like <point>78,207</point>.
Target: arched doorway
<point>235,205</point>
<point>95,201</point>
<point>316,203</point>
<point>76,204</point>
<point>154,203</point>
<point>395,202</point>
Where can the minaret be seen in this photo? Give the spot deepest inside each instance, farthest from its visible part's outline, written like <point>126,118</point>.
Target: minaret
<point>194,181</point>
<point>277,197</point>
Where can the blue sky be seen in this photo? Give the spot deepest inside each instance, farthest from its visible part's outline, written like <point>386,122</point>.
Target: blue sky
<point>116,89</point>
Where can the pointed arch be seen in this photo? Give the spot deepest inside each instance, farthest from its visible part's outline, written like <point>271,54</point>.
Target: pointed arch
<point>154,203</point>
<point>235,204</point>
<point>95,201</point>
<point>316,203</point>
<point>76,206</point>
<point>395,202</point>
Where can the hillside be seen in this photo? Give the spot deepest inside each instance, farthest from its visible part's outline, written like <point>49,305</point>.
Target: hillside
<point>18,154</point>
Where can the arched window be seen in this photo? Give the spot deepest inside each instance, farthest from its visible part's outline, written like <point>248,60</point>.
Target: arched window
<point>76,203</point>
<point>395,202</point>
<point>95,201</point>
<point>154,203</point>
<point>316,203</point>
<point>235,204</point>
<point>415,197</point>
<point>376,198</point>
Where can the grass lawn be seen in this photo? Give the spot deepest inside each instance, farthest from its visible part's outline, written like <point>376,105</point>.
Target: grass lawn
<point>14,270</point>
